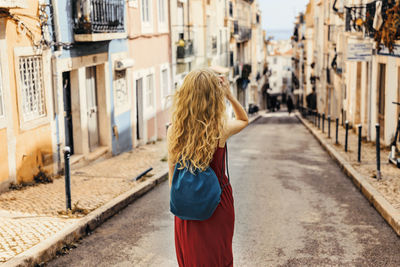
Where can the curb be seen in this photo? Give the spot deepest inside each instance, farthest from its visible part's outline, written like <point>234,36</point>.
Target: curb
<point>47,249</point>
<point>385,209</point>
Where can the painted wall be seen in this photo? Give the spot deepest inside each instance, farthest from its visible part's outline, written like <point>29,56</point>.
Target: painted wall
<point>149,45</point>
<point>31,147</point>
<point>122,122</point>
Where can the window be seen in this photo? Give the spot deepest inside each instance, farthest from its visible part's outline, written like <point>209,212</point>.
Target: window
<point>121,96</point>
<point>149,91</point>
<point>164,79</point>
<point>161,11</point>
<point>146,11</point>
<point>32,90</point>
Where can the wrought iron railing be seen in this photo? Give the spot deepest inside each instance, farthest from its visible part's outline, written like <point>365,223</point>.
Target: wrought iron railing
<point>361,18</point>
<point>99,16</point>
<point>186,50</point>
<point>235,27</point>
<point>244,33</point>
<point>214,43</point>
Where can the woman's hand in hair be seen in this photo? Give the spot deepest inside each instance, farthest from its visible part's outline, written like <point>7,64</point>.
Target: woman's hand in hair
<point>225,86</point>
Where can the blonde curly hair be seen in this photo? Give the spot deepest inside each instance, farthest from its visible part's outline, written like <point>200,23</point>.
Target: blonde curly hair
<point>198,120</point>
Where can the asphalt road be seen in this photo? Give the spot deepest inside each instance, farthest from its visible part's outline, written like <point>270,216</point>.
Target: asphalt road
<point>294,207</point>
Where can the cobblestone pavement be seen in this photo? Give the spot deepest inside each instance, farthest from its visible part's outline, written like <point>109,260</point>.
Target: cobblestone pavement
<point>32,214</point>
<point>389,186</point>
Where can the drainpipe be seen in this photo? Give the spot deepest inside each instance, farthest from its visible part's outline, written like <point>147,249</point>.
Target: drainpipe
<point>54,61</point>
<point>370,97</point>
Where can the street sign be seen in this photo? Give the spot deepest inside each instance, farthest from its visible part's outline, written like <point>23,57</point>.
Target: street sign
<point>359,51</point>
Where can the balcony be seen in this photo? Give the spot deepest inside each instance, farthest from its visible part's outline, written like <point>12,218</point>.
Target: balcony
<point>214,48</point>
<point>13,4</point>
<point>361,18</point>
<point>235,27</point>
<point>185,53</point>
<point>244,34</point>
<point>99,20</point>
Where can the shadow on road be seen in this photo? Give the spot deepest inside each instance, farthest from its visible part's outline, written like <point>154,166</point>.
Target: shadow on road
<point>281,117</point>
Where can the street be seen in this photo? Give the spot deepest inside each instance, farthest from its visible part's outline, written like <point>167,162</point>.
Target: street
<point>294,207</point>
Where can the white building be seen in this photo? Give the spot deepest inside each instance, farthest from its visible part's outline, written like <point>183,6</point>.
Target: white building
<point>280,65</point>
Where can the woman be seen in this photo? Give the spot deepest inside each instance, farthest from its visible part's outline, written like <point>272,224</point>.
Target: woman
<point>197,135</point>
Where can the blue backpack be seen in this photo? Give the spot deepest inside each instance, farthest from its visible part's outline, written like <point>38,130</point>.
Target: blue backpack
<point>196,196</point>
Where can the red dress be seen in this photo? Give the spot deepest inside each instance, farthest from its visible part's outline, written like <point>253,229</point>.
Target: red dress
<point>209,242</point>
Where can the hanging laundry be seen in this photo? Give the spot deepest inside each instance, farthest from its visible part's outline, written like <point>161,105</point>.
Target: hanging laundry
<point>378,20</point>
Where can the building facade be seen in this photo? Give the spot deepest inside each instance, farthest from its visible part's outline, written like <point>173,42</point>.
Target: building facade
<point>96,76</point>
<point>355,74</point>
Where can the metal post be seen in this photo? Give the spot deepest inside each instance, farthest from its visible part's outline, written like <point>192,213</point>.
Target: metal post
<point>67,170</point>
<point>378,152</point>
<point>323,122</point>
<point>329,126</point>
<point>359,142</point>
<point>315,118</point>
<point>337,130</point>
<point>342,117</point>
<point>347,136</point>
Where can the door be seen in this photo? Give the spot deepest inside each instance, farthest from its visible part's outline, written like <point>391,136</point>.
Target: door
<point>139,109</point>
<point>69,137</point>
<point>91,104</point>
<point>381,98</point>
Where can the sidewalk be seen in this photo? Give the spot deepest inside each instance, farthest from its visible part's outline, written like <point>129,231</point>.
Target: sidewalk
<point>35,214</point>
<point>384,194</point>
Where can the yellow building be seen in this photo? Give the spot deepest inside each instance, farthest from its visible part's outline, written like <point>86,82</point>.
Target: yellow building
<point>26,142</point>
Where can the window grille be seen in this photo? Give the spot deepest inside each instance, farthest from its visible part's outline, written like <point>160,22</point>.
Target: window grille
<point>150,90</point>
<point>31,86</point>
<point>121,89</point>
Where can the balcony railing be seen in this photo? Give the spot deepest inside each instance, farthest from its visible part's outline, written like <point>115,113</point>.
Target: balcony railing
<point>214,48</point>
<point>104,18</point>
<point>185,53</point>
<point>361,18</point>
<point>235,27</point>
<point>244,33</point>
<point>13,4</point>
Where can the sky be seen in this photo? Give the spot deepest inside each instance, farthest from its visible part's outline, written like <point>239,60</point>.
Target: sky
<point>278,16</point>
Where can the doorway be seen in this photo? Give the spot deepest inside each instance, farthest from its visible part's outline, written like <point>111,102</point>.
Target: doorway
<point>69,136</point>
<point>92,110</point>
<point>381,98</point>
<point>139,109</point>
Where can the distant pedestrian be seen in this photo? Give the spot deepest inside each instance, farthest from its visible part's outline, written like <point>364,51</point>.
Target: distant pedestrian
<point>197,139</point>
<point>289,103</point>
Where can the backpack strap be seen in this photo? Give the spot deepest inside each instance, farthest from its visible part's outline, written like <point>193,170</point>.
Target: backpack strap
<point>225,159</point>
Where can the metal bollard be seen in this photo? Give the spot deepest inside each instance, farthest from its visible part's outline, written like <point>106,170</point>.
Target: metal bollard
<point>315,118</point>
<point>378,152</point>
<point>347,136</point>
<point>359,142</point>
<point>329,126</point>
<point>342,117</point>
<point>337,130</point>
<point>67,170</point>
<point>323,122</point>
<point>319,121</point>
